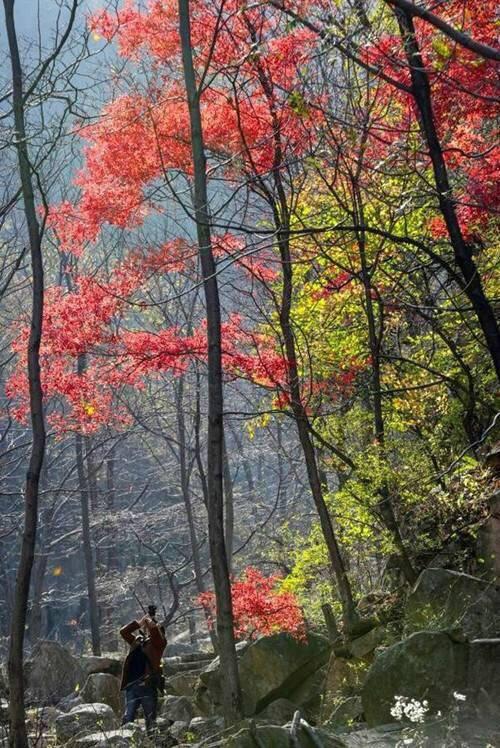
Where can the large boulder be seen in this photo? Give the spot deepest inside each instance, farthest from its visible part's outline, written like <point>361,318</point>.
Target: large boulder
<point>104,689</point>
<point>52,673</point>
<point>429,665</point>
<point>182,684</point>
<point>270,668</point>
<point>483,677</point>
<point>177,708</point>
<point>347,711</point>
<point>84,720</point>
<point>446,600</point>
<point>124,737</point>
<point>274,736</point>
<point>112,664</point>
<point>344,679</point>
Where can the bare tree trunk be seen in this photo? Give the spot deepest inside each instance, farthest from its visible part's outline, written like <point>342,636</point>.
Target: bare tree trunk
<point>385,505</point>
<point>279,205</point>
<point>86,535</point>
<point>17,736</point>
<point>462,250</point>
<point>112,555</point>
<point>185,489</point>
<point>228,508</point>
<point>231,693</point>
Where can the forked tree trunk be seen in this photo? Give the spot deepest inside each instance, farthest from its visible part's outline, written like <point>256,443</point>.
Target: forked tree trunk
<point>17,735</point>
<point>231,693</point>
<point>279,205</point>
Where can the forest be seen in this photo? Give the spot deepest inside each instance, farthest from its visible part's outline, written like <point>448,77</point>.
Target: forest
<point>249,374</point>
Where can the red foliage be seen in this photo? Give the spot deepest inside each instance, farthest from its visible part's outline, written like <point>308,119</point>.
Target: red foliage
<point>258,608</point>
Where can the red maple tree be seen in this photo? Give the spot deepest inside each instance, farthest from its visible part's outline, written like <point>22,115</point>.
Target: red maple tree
<point>259,607</point>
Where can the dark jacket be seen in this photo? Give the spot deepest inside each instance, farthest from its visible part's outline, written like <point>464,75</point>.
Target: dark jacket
<point>153,648</point>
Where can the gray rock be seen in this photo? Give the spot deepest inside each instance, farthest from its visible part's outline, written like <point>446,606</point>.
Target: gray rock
<point>104,689</point>
<point>69,703</point>
<point>85,719</point>
<point>364,645</point>
<point>182,684</point>
<point>271,667</point>
<point>279,712</point>
<point>4,712</point>
<point>446,600</point>
<point>179,729</point>
<point>384,736</point>
<point>112,664</point>
<point>483,676</point>
<point>273,736</point>
<point>203,727</point>
<point>52,673</point>
<point>348,711</point>
<point>121,738</point>
<point>429,665</point>
<point>177,708</point>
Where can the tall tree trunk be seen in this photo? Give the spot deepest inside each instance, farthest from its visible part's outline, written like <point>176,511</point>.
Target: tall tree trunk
<point>185,489</point>
<point>279,205</point>
<point>385,505</point>
<point>86,534</point>
<point>112,555</point>
<point>472,287</point>
<point>231,693</point>
<point>228,507</point>
<point>18,736</point>
<point>87,547</point>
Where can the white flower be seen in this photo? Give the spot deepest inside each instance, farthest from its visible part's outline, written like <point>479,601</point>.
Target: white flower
<point>459,696</point>
<point>412,709</point>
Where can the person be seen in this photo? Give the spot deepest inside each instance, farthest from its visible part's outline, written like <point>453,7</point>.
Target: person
<point>141,677</point>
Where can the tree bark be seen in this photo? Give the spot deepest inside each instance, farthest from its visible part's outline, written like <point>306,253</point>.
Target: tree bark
<point>472,287</point>
<point>86,534</point>
<point>185,488</point>
<point>17,735</point>
<point>231,693</point>
<point>385,505</point>
<point>228,508</point>
<point>279,205</point>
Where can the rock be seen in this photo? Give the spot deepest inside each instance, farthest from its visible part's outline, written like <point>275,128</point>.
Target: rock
<point>273,736</point>
<point>269,735</point>
<point>344,678</point>
<point>124,737</point>
<point>52,673</point>
<point>446,600</point>
<point>428,665</point>
<point>177,708</point>
<point>348,711</point>
<point>85,719</point>
<point>4,712</point>
<point>41,719</point>
<point>104,689</point>
<point>182,684</point>
<point>271,667</point>
<point>112,664</point>
<point>483,676</point>
<point>488,541</point>
<point>384,736</point>
<point>179,729</point>
<point>278,712</point>
<point>203,727</point>
<point>365,645</point>
<point>69,703</point>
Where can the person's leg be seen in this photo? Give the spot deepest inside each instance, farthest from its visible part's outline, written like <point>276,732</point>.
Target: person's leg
<point>132,699</point>
<point>149,703</point>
